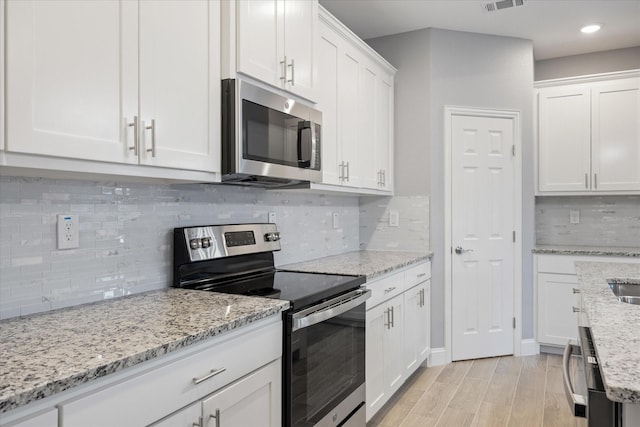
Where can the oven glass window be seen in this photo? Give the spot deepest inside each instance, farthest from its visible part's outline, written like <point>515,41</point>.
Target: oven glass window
<point>272,136</point>
<point>327,365</point>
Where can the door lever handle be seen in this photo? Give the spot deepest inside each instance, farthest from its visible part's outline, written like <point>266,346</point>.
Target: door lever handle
<point>459,250</point>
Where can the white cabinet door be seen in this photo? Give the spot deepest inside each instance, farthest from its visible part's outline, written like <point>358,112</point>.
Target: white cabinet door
<point>328,53</point>
<point>349,85</point>
<point>615,135</point>
<point>557,323</point>
<point>368,125</point>
<point>300,46</point>
<point>417,326</point>
<point>384,131</point>
<point>564,148</point>
<point>253,401</point>
<point>186,417</point>
<point>384,357</point>
<point>260,40</point>
<point>180,84</point>
<point>72,78</point>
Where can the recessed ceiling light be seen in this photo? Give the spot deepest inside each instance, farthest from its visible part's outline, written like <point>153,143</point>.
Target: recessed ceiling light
<point>592,28</point>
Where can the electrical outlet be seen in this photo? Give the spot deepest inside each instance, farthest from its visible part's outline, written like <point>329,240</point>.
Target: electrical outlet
<point>336,220</point>
<point>272,217</point>
<point>68,232</point>
<point>574,217</point>
<point>394,219</point>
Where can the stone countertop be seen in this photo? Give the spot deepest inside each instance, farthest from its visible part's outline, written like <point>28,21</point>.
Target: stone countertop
<point>614,326</point>
<point>47,353</point>
<point>586,250</point>
<point>366,263</point>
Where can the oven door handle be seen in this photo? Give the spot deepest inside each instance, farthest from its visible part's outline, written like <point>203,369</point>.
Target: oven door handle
<point>577,402</point>
<point>328,309</point>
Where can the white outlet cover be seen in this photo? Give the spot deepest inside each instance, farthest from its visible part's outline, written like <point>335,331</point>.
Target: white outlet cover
<point>574,217</point>
<point>394,219</point>
<point>336,220</point>
<point>272,217</point>
<point>68,231</point>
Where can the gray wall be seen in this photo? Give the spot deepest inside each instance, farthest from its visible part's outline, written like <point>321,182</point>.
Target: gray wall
<point>588,63</point>
<point>604,221</point>
<point>441,67</point>
<point>126,234</point>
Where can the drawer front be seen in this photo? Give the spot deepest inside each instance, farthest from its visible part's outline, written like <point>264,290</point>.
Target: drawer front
<point>154,394</point>
<point>385,288</point>
<point>417,274</point>
<point>564,264</point>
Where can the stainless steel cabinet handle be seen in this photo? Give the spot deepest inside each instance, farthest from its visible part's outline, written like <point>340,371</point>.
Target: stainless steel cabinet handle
<point>393,318</point>
<point>576,290</point>
<point>198,424</point>
<point>293,76</point>
<point>459,250</point>
<point>595,181</point>
<point>576,310</point>
<point>134,125</point>
<point>348,173</point>
<point>341,171</point>
<point>211,374</point>
<point>386,291</point>
<point>152,150</point>
<point>283,77</point>
<point>384,178</point>
<point>586,180</point>
<point>387,312</point>
<point>216,417</point>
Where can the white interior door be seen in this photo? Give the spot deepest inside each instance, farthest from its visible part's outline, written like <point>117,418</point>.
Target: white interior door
<point>482,224</point>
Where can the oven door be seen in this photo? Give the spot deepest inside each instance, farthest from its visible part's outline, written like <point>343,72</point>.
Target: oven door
<point>325,362</point>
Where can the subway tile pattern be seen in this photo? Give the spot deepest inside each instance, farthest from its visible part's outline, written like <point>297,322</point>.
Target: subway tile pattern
<point>612,221</point>
<point>126,244</point>
<point>411,235</point>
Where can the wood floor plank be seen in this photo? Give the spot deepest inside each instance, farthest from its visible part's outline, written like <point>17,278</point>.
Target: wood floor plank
<point>557,412</point>
<point>503,383</point>
<point>491,415</point>
<point>483,368</point>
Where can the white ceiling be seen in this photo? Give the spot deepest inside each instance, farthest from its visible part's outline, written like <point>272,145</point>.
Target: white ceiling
<point>553,25</point>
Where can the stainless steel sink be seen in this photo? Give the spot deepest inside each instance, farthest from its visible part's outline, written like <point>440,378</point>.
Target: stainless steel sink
<point>626,291</point>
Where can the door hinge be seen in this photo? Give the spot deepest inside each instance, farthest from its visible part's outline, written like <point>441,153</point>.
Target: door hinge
<point>514,235</point>
<point>514,323</point>
<point>513,150</point>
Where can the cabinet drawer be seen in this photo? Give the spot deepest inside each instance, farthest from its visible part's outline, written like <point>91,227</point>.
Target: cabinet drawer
<point>559,264</point>
<point>417,274</point>
<point>153,394</point>
<point>385,288</point>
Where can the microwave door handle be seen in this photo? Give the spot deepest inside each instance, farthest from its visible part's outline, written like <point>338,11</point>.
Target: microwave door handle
<point>331,308</point>
<point>314,147</point>
<point>302,126</point>
<point>577,402</point>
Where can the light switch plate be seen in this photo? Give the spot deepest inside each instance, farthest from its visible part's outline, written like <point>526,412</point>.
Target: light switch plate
<point>574,217</point>
<point>68,232</point>
<point>272,217</point>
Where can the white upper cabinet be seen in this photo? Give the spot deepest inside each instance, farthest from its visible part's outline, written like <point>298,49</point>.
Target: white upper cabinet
<point>122,82</point>
<point>276,42</point>
<point>72,78</point>
<point>615,135</point>
<point>356,99</point>
<point>589,137</point>
<point>179,84</point>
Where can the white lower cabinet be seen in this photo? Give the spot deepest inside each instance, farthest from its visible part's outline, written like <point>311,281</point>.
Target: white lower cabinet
<point>241,370</point>
<point>48,418</point>
<point>253,401</point>
<point>558,295</point>
<point>417,346</point>
<point>397,332</point>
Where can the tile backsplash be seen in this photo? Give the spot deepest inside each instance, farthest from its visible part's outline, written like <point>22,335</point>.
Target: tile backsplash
<point>412,232</point>
<point>604,221</point>
<point>126,234</point>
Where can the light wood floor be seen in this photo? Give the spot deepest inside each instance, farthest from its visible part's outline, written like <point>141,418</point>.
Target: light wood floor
<point>501,391</point>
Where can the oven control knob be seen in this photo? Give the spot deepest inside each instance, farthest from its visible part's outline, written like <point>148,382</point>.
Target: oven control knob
<point>195,243</point>
<point>272,237</point>
<point>206,242</point>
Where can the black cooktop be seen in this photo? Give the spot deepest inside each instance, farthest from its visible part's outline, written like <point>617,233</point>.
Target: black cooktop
<point>300,289</point>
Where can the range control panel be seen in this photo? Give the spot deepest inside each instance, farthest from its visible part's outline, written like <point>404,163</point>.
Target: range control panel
<point>218,241</point>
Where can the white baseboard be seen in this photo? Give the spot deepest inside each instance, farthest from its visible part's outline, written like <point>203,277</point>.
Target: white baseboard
<point>529,347</point>
<point>438,357</point>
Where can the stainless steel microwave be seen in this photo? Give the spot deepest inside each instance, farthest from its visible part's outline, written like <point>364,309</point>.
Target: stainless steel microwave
<point>268,140</point>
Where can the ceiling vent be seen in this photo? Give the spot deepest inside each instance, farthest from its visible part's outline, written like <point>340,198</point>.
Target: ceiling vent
<point>494,6</point>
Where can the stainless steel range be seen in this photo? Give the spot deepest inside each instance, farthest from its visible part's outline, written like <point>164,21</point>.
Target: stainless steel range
<point>324,331</point>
